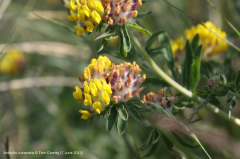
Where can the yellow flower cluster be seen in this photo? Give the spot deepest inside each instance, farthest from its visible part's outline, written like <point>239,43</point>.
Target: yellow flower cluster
<point>88,11</point>
<point>96,91</point>
<point>13,62</point>
<point>98,68</point>
<point>212,44</point>
<point>103,81</point>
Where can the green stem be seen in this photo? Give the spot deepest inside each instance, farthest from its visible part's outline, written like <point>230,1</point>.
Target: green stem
<point>178,87</point>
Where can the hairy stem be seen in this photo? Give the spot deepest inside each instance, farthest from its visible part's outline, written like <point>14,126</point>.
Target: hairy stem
<point>177,86</point>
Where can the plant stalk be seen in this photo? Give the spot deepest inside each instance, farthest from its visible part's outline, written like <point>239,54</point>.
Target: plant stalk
<point>177,86</point>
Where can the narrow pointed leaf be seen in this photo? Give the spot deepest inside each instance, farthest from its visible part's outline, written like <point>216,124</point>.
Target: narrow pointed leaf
<point>167,50</point>
<point>232,105</point>
<point>184,142</point>
<point>122,112</point>
<point>125,39</point>
<point>112,119</point>
<point>152,38</point>
<point>103,44</point>
<point>106,34</point>
<point>121,125</point>
<point>186,76</point>
<point>137,27</point>
<point>134,113</point>
<point>195,68</point>
<point>237,81</point>
<point>195,42</point>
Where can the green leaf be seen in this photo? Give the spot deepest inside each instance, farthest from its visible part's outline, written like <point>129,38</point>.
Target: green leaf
<point>125,38</point>
<point>167,142</point>
<point>122,111</point>
<point>137,27</point>
<point>196,119</point>
<point>156,137</point>
<point>143,146</point>
<point>134,113</point>
<point>184,142</point>
<point>152,38</point>
<point>137,103</point>
<point>161,109</point>
<point>237,81</point>
<point>115,35</point>
<point>155,82</point>
<point>103,44</point>
<point>186,76</point>
<point>167,50</point>
<point>121,125</point>
<point>152,143</point>
<point>123,52</point>
<point>195,68</point>
<point>155,51</point>
<point>112,119</point>
<point>232,105</point>
<point>151,150</point>
<point>213,101</point>
<point>195,42</point>
<point>229,100</point>
<point>148,142</point>
<point>204,76</point>
<point>187,104</point>
<point>141,15</point>
<point>109,31</point>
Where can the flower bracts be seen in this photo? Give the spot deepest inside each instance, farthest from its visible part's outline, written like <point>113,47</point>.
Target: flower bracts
<point>159,99</point>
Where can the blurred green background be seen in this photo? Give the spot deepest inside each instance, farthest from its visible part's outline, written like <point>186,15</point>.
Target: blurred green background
<point>38,111</point>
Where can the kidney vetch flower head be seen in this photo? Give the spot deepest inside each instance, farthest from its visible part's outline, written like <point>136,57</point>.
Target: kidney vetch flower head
<point>104,81</point>
<point>13,62</point>
<point>115,14</point>
<point>89,12</point>
<point>211,43</point>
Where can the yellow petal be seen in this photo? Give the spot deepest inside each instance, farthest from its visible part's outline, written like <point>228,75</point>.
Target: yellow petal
<point>98,107</point>
<point>105,97</point>
<point>86,87</point>
<point>88,100</point>
<point>96,17</point>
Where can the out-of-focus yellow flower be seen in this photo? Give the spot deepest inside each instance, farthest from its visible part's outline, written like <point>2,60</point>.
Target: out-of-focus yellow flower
<point>177,44</point>
<point>177,48</point>
<point>89,12</point>
<point>13,62</point>
<point>212,44</point>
